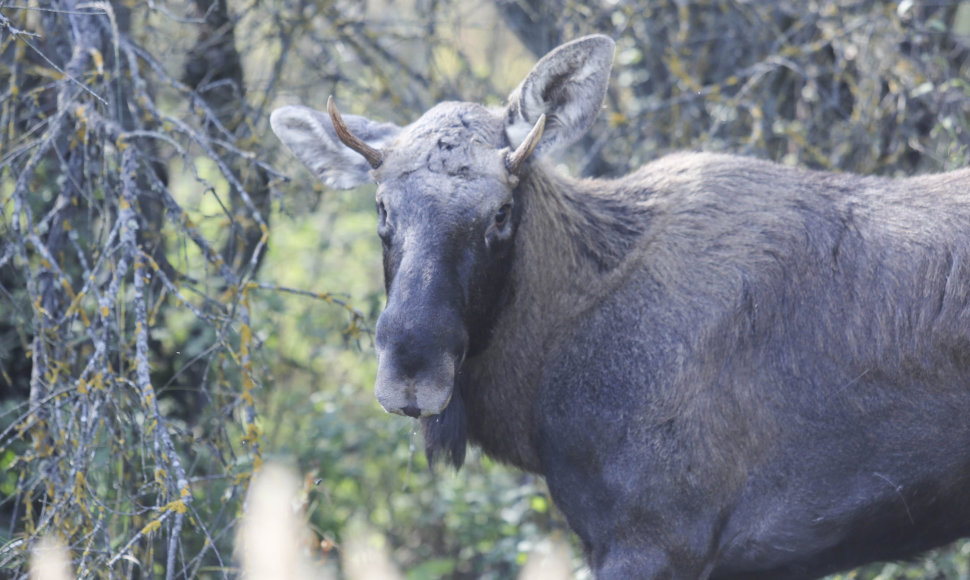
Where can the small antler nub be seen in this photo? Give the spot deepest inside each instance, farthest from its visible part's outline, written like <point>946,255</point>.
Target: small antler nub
<point>373,156</point>
<point>516,158</point>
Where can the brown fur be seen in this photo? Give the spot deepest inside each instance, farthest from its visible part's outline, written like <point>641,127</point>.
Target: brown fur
<point>725,368</point>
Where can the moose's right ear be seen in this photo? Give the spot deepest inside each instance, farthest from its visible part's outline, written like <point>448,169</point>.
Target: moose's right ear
<point>310,135</point>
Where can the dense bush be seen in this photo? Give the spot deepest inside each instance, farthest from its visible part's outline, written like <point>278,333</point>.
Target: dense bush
<point>179,300</point>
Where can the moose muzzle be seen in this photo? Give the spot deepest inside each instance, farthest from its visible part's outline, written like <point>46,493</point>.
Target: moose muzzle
<point>419,352</point>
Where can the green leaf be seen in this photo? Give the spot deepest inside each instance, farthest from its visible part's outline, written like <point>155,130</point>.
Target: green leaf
<point>435,568</point>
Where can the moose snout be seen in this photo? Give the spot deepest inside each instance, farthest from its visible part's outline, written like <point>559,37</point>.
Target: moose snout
<point>416,363</point>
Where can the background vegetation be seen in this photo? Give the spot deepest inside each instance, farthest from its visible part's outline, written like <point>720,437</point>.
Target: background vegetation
<point>179,301</point>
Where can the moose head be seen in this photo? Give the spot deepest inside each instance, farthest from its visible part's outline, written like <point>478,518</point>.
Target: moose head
<point>448,209</point>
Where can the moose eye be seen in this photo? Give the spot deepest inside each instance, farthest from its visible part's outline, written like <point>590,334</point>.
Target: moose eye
<point>502,215</point>
<point>383,228</point>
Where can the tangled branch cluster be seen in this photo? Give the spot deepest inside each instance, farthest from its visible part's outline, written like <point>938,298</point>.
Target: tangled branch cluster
<point>89,224</point>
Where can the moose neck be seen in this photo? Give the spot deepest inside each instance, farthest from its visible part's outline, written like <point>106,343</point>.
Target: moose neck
<point>575,239</point>
<point>572,248</point>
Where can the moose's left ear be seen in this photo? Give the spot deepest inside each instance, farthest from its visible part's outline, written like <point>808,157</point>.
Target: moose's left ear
<point>567,85</point>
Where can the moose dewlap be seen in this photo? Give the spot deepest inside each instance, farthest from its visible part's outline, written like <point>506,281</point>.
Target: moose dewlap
<point>723,367</point>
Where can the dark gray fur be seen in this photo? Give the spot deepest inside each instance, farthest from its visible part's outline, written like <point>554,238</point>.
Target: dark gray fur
<point>724,368</point>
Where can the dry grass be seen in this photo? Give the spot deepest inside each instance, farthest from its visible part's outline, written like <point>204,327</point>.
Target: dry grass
<point>273,542</point>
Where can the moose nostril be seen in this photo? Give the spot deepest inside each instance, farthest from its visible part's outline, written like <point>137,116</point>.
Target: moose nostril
<point>412,411</point>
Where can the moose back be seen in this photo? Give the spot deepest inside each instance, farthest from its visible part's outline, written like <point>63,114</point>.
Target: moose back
<point>723,367</point>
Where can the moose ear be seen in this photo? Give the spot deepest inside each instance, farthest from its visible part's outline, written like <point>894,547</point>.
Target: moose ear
<point>568,86</point>
<point>310,135</point>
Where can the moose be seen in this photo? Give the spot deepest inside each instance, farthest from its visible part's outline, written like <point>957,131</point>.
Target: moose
<point>723,367</point>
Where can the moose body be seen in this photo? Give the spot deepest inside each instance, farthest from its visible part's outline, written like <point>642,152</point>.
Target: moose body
<point>723,367</point>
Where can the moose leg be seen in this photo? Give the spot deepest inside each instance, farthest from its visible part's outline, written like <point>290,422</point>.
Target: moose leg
<point>636,527</point>
<point>626,539</point>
